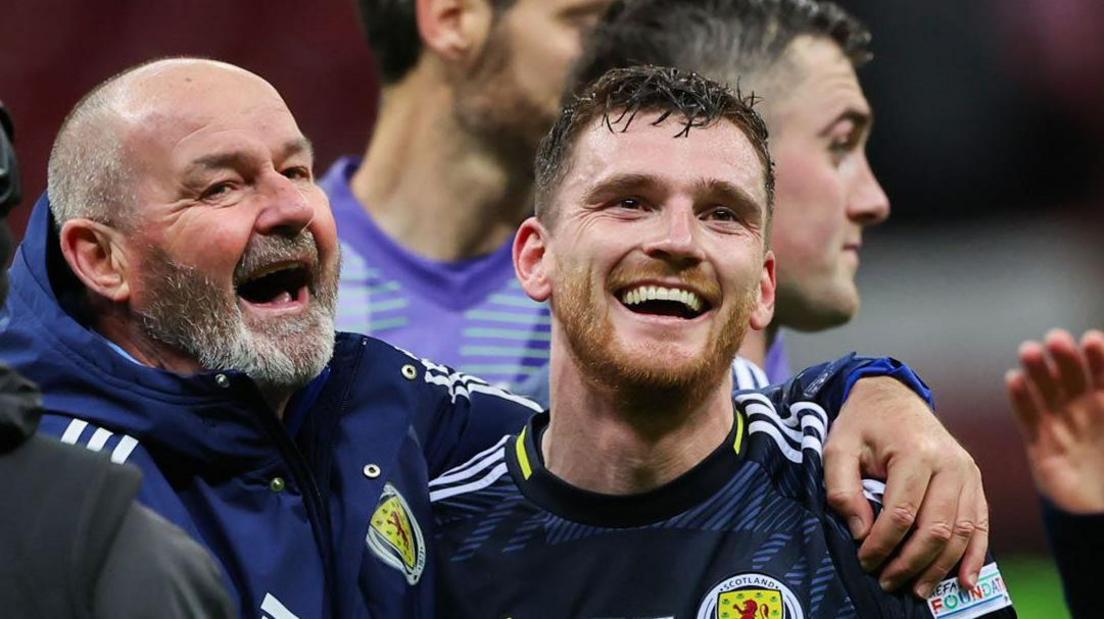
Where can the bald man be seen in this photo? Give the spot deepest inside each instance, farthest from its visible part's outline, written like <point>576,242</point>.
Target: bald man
<point>174,299</point>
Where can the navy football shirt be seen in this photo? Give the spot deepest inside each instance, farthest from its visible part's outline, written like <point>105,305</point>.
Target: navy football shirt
<point>743,535</point>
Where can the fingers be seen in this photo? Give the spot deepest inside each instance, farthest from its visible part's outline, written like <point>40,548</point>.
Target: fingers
<point>939,539</point>
<point>1069,362</point>
<point>1025,404</point>
<point>968,535</point>
<point>906,482</point>
<point>1092,346</point>
<point>974,559</point>
<point>844,487</point>
<point>1041,372</point>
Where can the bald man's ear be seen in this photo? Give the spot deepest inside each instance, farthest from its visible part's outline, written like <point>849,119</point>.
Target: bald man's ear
<point>455,30</point>
<point>763,310</point>
<point>532,261</point>
<point>96,255</point>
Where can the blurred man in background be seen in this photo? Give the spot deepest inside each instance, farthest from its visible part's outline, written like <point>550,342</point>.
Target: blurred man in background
<point>74,541</point>
<point>427,216</point>
<point>1058,397</point>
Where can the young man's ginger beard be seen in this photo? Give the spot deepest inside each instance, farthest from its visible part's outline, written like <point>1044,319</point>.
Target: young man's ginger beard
<point>491,106</point>
<point>194,315</point>
<point>646,382</point>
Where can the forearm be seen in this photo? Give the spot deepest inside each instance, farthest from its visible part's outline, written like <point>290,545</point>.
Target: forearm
<point>1077,541</point>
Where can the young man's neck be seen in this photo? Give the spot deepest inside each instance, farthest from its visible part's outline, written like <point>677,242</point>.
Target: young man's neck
<point>599,442</point>
<point>432,186</point>
<point>757,343</point>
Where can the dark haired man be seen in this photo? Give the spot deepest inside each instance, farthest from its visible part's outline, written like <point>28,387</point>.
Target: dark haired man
<point>427,216</point>
<point>799,58</point>
<point>75,541</point>
<point>644,491</point>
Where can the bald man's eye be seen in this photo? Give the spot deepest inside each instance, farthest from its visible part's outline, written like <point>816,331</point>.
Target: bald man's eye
<point>632,204</point>
<point>298,173</point>
<point>217,190</point>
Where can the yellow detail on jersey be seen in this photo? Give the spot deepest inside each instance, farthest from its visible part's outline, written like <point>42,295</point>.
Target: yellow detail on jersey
<point>523,458</point>
<point>751,603</point>
<point>392,521</point>
<point>739,442</point>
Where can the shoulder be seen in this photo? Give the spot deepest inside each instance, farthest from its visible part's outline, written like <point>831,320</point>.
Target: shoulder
<point>154,568</point>
<point>119,446</point>
<point>63,506</point>
<point>794,432</point>
<point>467,483</point>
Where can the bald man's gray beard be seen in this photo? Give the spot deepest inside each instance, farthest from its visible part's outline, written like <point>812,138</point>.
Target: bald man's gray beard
<point>193,314</point>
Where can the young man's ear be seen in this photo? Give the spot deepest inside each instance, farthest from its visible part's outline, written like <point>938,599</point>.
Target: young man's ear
<point>763,311</point>
<point>455,30</point>
<point>532,260</point>
<point>96,255</point>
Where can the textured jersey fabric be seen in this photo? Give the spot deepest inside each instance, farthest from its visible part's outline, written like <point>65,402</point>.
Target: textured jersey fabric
<point>743,535</point>
<point>469,314</point>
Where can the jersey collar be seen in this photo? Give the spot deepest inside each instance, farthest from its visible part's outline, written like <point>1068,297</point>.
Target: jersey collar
<point>526,465</point>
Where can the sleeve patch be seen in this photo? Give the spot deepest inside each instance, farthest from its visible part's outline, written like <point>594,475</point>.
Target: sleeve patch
<point>950,599</point>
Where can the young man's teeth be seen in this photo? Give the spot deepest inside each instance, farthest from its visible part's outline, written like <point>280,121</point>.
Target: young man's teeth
<point>659,293</point>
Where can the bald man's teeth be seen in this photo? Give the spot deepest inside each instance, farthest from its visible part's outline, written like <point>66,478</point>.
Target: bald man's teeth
<point>643,294</point>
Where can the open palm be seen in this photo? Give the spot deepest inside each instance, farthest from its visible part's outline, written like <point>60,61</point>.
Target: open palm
<point>1058,397</point>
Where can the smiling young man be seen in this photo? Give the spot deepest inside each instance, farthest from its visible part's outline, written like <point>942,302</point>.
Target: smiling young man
<point>799,58</point>
<point>646,491</point>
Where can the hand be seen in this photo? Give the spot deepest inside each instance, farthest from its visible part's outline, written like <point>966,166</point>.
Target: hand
<point>1058,399</point>
<point>933,488</point>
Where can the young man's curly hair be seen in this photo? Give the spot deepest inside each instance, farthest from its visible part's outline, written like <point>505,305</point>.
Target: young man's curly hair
<point>617,97</point>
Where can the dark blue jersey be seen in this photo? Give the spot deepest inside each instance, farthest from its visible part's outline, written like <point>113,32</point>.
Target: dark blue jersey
<point>743,535</point>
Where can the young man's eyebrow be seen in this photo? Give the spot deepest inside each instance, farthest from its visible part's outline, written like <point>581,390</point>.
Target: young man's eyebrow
<point>621,184</point>
<point>733,196</point>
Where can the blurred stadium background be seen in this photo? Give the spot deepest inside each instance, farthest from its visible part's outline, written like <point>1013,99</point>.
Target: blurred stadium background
<point>989,141</point>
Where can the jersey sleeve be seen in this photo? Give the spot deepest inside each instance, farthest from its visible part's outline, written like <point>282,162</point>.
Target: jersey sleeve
<point>470,416</point>
<point>989,598</point>
<point>830,383</point>
<point>1077,541</point>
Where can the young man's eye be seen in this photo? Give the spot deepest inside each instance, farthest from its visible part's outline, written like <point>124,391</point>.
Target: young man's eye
<point>722,213</point>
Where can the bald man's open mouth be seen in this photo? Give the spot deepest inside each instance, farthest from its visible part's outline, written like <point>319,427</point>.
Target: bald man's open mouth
<point>283,285</point>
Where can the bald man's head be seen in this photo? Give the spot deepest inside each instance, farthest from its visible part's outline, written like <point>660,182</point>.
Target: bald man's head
<point>90,172</point>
